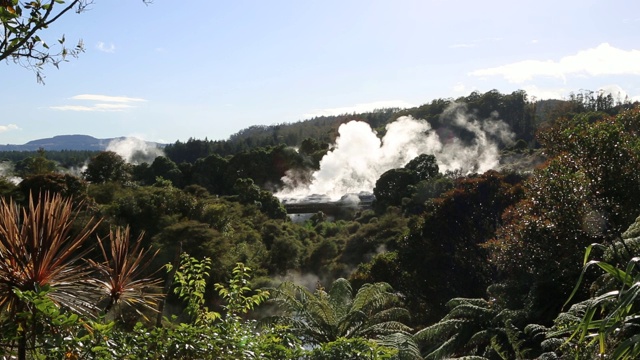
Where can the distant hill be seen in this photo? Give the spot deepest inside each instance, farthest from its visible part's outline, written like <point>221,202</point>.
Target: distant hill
<point>64,142</point>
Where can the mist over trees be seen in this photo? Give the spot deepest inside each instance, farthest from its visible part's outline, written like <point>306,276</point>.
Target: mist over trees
<point>442,264</point>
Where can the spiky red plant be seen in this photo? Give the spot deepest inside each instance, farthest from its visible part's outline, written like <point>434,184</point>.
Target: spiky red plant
<point>121,276</point>
<point>39,248</point>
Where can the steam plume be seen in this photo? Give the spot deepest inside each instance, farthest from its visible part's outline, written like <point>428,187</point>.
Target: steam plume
<point>359,157</point>
<point>6,172</point>
<point>134,150</point>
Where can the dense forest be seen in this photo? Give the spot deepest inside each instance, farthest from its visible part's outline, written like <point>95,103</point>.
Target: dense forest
<point>193,255</point>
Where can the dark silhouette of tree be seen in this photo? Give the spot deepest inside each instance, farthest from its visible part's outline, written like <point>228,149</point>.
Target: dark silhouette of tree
<point>107,166</point>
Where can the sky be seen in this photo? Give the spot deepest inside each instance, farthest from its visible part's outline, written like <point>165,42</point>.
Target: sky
<point>175,70</point>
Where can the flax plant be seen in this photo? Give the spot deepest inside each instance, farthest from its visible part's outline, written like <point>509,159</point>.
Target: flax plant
<point>43,254</point>
<point>38,248</point>
<point>121,276</point>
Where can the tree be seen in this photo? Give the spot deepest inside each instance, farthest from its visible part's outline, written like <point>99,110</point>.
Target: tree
<point>106,167</point>
<point>424,166</point>
<point>442,256</point>
<point>473,327</point>
<point>165,168</point>
<point>605,325</point>
<point>587,193</point>
<point>392,186</point>
<point>64,184</point>
<point>249,193</point>
<point>322,317</point>
<point>210,172</point>
<point>35,165</point>
<point>23,22</point>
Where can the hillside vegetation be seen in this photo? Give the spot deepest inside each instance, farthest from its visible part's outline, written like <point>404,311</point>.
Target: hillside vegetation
<point>444,264</point>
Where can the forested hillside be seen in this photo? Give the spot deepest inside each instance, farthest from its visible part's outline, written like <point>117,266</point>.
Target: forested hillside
<point>486,208</point>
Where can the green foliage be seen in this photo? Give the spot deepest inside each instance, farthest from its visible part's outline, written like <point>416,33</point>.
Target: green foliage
<point>351,349</point>
<point>35,165</point>
<point>107,166</point>
<point>150,209</point>
<point>249,193</point>
<point>605,325</point>
<point>210,172</point>
<point>473,327</point>
<point>235,293</point>
<point>587,193</point>
<point>23,22</point>
<point>66,158</point>
<point>322,317</point>
<point>52,332</point>
<point>49,289</point>
<point>424,166</point>
<point>190,283</point>
<point>442,256</point>
<point>394,185</point>
<point>211,335</point>
<point>64,184</point>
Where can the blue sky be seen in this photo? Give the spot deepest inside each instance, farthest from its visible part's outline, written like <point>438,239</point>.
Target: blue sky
<point>174,70</point>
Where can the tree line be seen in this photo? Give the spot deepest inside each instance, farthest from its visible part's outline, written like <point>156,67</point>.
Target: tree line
<point>487,263</point>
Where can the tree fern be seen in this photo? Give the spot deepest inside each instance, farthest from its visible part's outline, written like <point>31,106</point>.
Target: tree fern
<point>321,316</point>
<point>473,327</point>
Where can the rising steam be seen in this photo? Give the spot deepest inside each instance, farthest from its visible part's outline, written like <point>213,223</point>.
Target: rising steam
<point>134,150</point>
<point>461,142</point>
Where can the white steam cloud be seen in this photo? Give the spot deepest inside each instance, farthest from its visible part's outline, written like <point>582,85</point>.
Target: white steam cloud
<point>134,150</point>
<point>6,172</point>
<point>359,157</point>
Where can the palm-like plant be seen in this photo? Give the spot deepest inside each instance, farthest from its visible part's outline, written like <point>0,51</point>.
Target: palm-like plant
<point>39,248</point>
<point>121,276</point>
<point>42,252</point>
<point>322,317</point>
<point>473,329</point>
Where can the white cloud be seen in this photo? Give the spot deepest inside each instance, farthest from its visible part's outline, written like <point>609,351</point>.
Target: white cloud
<point>358,108</point>
<point>95,107</point>
<point>544,93</point>
<point>73,108</point>
<point>601,60</point>
<point>100,103</point>
<point>106,98</point>
<point>106,48</point>
<point>9,127</point>
<point>618,93</point>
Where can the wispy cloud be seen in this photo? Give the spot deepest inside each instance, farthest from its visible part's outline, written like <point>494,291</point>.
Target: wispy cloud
<point>9,127</point>
<point>96,107</point>
<point>100,103</point>
<point>358,108</point>
<point>601,60</point>
<point>110,48</point>
<point>106,98</point>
